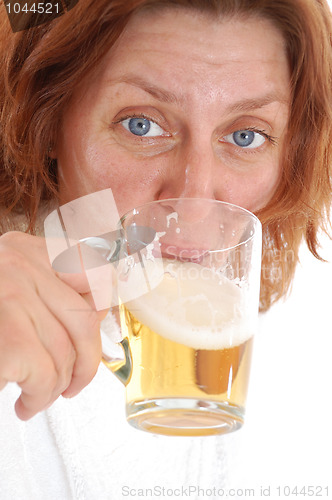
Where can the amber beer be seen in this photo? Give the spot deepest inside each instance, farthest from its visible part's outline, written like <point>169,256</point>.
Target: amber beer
<point>190,341</point>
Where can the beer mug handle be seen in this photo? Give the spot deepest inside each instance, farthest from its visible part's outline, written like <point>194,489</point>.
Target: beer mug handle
<point>116,354</point>
<point>120,363</point>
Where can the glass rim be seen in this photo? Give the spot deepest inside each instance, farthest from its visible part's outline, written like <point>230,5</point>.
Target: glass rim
<point>209,200</point>
<point>256,228</point>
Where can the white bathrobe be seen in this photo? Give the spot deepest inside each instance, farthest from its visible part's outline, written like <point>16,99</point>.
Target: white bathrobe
<point>83,448</point>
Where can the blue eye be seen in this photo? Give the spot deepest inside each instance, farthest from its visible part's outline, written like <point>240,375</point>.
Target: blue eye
<point>139,126</point>
<point>245,139</point>
<point>142,127</point>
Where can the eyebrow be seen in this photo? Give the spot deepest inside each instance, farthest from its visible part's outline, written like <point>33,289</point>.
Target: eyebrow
<point>163,95</point>
<point>156,92</point>
<point>259,102</point>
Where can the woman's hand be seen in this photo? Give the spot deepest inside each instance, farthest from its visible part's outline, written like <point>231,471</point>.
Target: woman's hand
<point>49,334</point>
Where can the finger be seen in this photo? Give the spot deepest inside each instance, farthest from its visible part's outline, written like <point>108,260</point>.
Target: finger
<point>24,360</point>
<point>88,353</point>
<point>19,250</point>
<point>77,281</point>
<point>18,295</point>
<point>77,377</point>
<point>82,325</point>
<point>36,387</point>
<point>83,267</point>
<point>96,283</point>
<point>90,301</point>
<point>56,341</point>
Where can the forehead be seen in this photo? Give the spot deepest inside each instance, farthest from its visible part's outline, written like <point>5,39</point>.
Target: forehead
<point>187,50</point>
<point>216,36</point>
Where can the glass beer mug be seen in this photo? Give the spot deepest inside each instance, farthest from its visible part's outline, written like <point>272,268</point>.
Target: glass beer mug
<point>188,278</point>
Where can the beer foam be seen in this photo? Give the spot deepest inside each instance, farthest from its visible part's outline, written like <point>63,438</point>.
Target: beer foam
<point>196,307</point>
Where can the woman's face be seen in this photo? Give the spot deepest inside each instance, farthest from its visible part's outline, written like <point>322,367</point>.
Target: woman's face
<point>184,105</point>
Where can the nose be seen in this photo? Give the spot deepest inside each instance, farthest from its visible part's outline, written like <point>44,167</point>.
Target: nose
<point>191,172</point>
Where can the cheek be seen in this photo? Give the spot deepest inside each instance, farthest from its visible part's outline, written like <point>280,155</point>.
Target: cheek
<point>264,189</point>
<point>261,193</point>
<point>253,191</point>
<point>134,181</point>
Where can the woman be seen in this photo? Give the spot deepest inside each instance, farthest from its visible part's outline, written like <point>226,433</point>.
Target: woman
<point>155,99</point>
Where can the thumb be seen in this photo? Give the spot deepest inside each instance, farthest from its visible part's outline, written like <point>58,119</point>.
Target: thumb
<point>89,273</point>
<point>102,313</point>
